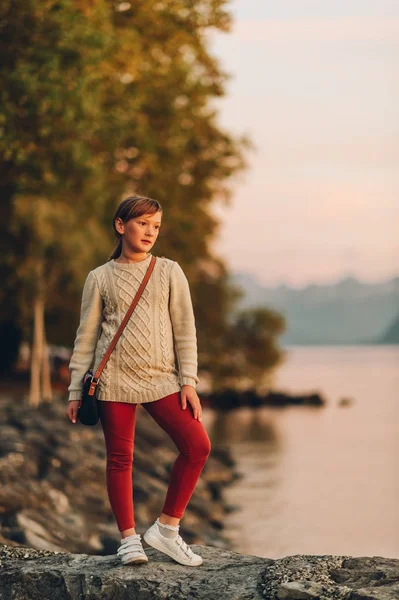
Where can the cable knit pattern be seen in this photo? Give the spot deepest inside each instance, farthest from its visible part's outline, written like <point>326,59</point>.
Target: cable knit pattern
<point>142,366</point>
<point>135,340</point>
<point>163,335</point>
<point>104,281</point>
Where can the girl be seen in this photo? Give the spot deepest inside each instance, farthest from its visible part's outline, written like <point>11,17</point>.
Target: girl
<point>142,370</point>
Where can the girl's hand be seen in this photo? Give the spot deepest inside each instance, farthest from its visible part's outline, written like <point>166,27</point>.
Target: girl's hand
<point>72,412</point>
<point>188,392</point>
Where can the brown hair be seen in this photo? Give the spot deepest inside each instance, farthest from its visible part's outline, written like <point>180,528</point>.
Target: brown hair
<point>130,208</point>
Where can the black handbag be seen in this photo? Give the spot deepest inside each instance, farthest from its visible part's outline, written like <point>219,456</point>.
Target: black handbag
<point>88,407</point>
<point>88,413</point>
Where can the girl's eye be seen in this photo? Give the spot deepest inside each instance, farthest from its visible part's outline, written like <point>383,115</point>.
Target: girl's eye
<point>143,223</point>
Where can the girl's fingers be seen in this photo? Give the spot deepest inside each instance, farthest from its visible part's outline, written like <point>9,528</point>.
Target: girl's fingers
<point>198,412</point>
<point>196,406</point>
<point>72,413</point>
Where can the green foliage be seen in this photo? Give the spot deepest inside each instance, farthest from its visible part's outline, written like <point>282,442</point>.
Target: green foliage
<point>50,171</point>
<point>250,349</point>
<point>51,82</point>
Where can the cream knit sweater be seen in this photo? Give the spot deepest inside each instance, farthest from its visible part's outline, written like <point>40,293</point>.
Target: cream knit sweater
<point>161,331</point>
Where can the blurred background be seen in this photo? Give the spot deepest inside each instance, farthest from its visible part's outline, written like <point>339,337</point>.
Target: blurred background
<point>269,134</point>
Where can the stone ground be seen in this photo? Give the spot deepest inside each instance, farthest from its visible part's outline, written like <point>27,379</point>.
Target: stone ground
<point>30,574</point>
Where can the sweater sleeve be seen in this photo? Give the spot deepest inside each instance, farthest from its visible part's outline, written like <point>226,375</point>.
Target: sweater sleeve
<point>86,335</point>
<point>183,324</point>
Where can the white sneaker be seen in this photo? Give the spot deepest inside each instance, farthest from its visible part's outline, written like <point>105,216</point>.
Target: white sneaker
<point>174,547</point>
<point>131,550</point>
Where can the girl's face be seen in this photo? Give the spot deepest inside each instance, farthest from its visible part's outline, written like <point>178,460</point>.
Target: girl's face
<point>140,233</point>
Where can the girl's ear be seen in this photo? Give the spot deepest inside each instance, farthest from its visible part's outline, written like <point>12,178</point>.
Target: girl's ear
<point>119,225</point>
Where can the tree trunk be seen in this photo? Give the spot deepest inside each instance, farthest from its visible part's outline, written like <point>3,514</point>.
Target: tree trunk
<point>47,393</point>
<point>37,350</point>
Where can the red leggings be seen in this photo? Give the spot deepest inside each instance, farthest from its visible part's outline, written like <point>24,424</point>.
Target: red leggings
<point>118,420</point>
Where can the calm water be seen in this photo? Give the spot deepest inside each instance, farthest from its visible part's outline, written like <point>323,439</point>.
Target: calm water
<point>319,480</point>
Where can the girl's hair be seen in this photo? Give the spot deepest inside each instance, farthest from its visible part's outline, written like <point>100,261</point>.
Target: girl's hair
<point>130,208</point>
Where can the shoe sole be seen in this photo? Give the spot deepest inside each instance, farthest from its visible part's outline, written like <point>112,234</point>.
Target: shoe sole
<point>137,561</point>
<point>154,543</point>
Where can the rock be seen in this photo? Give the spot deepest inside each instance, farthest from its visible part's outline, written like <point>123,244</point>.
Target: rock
<point>337,577</point>
<point>224,575</point>
<point>345,401</point>
<point>35,533</point>
<point>60,501</point>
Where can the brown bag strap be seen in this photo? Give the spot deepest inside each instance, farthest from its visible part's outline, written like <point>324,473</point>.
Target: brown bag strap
<point>127,316</point>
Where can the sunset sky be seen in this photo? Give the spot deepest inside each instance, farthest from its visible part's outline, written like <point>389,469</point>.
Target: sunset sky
<point>315,85</point>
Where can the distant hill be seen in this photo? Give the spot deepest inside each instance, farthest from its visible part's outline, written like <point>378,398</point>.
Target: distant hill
<point>391,336</point>
<point>347,312</point>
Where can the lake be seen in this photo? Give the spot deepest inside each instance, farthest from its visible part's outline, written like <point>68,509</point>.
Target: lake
<point>318,480</point>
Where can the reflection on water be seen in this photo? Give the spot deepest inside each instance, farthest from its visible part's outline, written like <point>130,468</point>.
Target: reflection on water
<point>319,481</point>
<point>245,425</point>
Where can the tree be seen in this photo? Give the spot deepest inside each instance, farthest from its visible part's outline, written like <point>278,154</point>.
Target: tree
<point>250,350</point>
<point>53,239</point>
<point>49,111</point>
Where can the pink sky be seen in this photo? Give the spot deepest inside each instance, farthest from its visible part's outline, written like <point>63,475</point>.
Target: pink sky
<point>318,94</point>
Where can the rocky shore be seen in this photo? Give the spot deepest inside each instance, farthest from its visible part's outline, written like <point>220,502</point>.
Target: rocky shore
<point>53,488</point>
<point>224,575</point>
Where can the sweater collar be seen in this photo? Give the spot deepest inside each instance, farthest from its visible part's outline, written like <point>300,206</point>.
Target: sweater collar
<point>130,266</point>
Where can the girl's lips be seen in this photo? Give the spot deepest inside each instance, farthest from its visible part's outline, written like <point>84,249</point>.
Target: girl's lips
<point>146,241</point>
